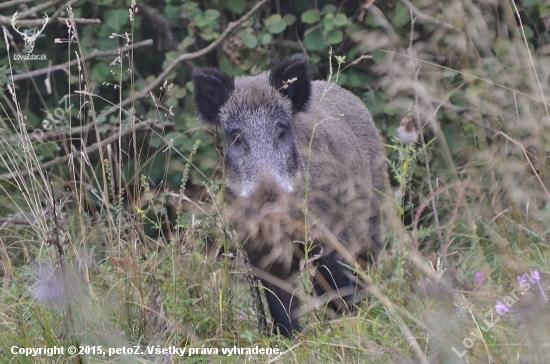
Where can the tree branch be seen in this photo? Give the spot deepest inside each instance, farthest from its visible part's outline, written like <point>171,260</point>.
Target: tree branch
<point>66,65</point>
<point>161,23</point>
<point>61,134</point>
<point>80,20</point>
<point>5,20</point>
<point>92,148</point>
<point>182,58</point>
<point>7,4</point>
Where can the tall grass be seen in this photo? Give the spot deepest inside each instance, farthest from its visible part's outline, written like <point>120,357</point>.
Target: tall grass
<point>97,261</point>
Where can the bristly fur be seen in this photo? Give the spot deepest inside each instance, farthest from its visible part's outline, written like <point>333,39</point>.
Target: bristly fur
<point>254,97</point>
<point>212,89</point>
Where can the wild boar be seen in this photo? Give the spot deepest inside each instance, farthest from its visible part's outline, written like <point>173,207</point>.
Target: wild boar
<point>305,174</point>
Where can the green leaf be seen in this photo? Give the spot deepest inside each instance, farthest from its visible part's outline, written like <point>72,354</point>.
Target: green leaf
<point>448,73</point>
<point>342,79</point>
<point>328,22</point>
<point>530,3</point>
<point>402,16</point>
<point>265,38</point>
<point>190,5</point>
<point>169,58</point>
<point>208,34</point>
<point>329,9</point>
<point>192,9</point>
<point>473,92</point>
<point>314,59</point>
<point>340,20</point>
<point>187,41</point>
<point>211,14</point>
<point>237,6</point>
<point>372,20</point>
<point>378,56</point>
<point>176,93</point>
<point>335,37</point>
<point>340,60</point>
<point>249,40</point>
<point>314,41</point>
<point>272,20</point>
<point>171,12</point>
<point>310,16</point>
<point>544,11</point>
<point>289,19</point>
<point>201,21</point>
<point>528,32</point>
<point>357,79</point>
<point>277,27</point>
<point>116,19</point>
<point>100,71</point>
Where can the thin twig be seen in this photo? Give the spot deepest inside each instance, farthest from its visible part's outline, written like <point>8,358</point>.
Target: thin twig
<point>7,4</point>
<point>451,224</point>
<point>422,16</point>
<point>532,61</point>
<point>80,20</point>
<point>6,20</point>
<point>66,65</point>
<point>144,93</point>
<point>35,9</point>
<point>465,109</point>
<point>519,145</point>
<point>160,22</point>
<point>61,134</point>
<point>94,147</point>
<point>421,133</point>
<point>423,206</point>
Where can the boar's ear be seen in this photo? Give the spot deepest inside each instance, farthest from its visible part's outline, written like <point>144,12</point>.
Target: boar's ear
<point>292,79</point>
<point>212,89</point>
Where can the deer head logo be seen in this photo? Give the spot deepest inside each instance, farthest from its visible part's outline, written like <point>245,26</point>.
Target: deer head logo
<point>29,35</point>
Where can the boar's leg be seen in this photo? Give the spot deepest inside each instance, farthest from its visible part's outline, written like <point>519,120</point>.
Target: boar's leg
<point>281,304</point>
<point>334,278</point>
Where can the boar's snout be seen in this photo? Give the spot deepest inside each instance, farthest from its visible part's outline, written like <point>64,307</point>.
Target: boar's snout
<point>269,220</point>
<point>268,190</point>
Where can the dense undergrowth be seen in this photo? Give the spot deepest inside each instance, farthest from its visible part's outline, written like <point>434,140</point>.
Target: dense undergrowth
<point>112,231</point>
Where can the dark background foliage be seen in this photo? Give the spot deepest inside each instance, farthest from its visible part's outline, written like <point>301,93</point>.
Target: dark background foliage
<point>125,181</point>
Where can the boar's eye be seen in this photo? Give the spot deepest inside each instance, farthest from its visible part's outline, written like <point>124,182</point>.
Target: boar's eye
<point>281,132</point>
<point>235,137</point>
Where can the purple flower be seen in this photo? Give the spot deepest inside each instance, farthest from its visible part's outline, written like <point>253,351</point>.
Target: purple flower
<point>501,308</point>
<point>479,278</point>
<point>241,317</point>
<point>536,276</point>
<point>523,281</point>
<point>167,357</point>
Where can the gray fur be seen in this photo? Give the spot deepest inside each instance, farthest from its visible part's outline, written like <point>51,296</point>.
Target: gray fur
<point>266,179</point>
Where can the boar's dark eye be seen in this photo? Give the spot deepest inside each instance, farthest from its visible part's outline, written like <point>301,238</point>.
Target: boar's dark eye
<point>281,131</point>
<point>235,137</point>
